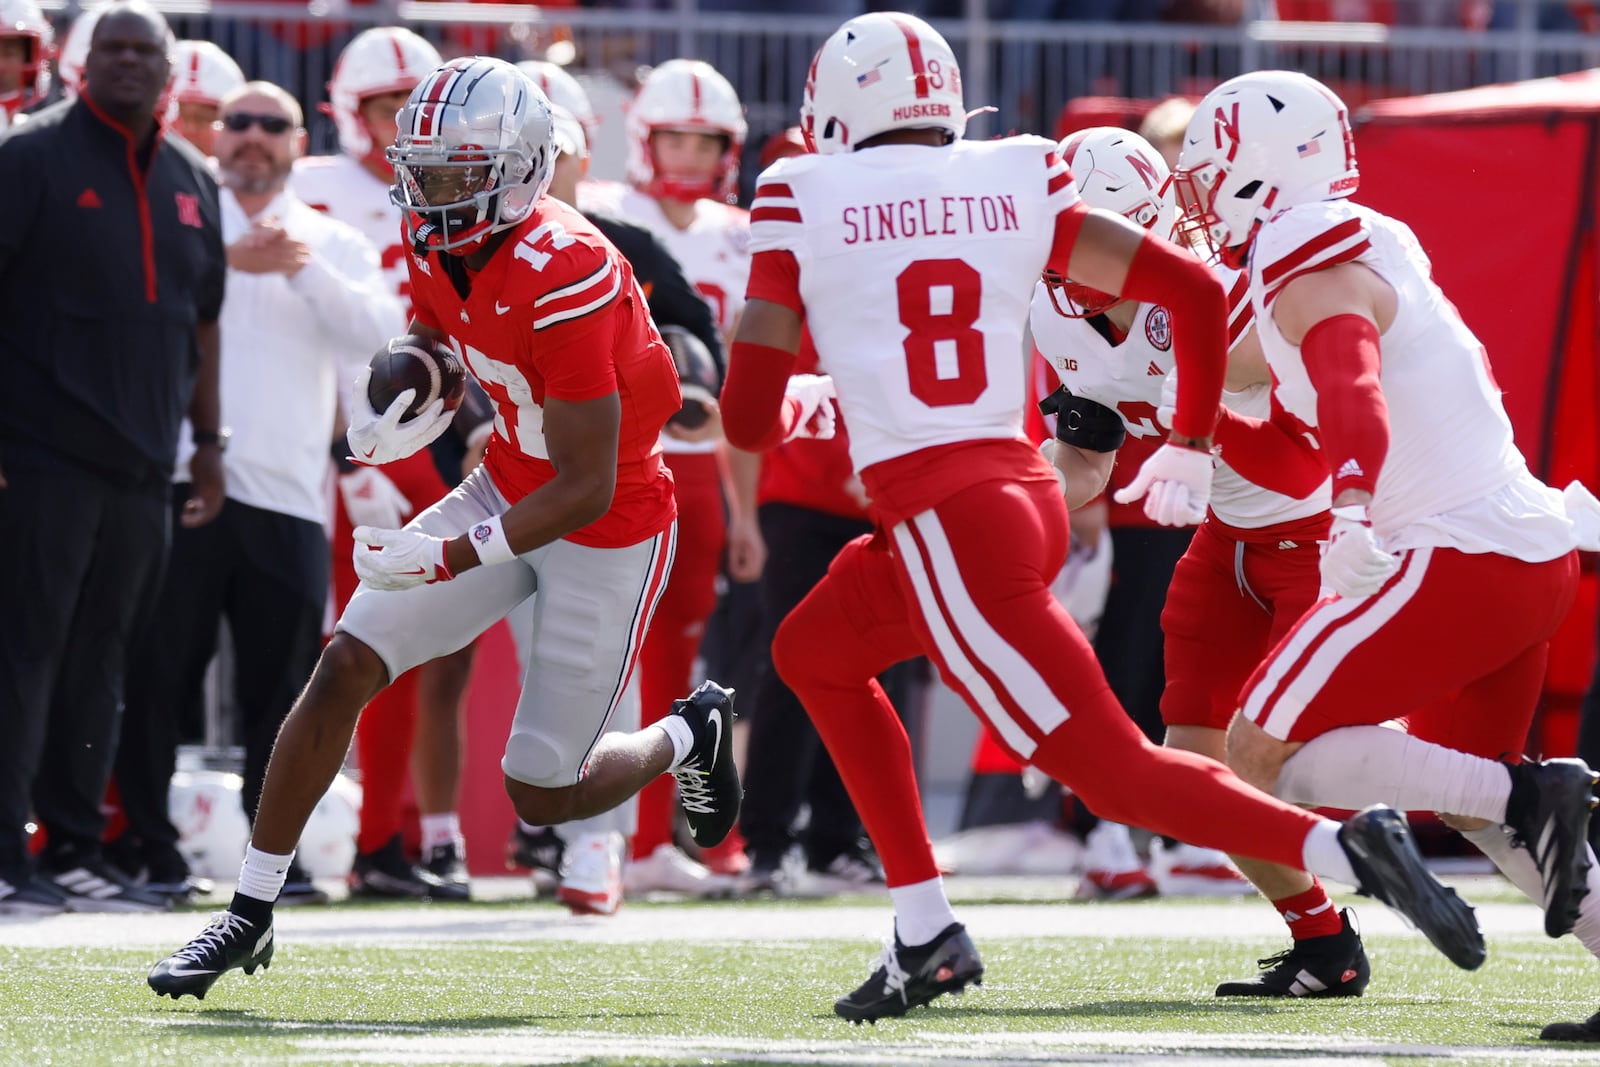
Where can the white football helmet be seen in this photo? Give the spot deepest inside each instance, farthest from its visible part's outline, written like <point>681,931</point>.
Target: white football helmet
<point>385,59</point>
<point>202,73</point>
<point>685,94</point>
<point>1257,144</point>
<point>205,808</point>
<point>1115,170</point>
<point>880,72</point>
<point>75,50</point>
<point>24,19</point>
<point>475,149</point>
<point>327,847</point>
<point>562,90</point>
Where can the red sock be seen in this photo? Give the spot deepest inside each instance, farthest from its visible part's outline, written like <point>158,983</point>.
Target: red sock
<point>1310,914</point>
<point>384,738</point>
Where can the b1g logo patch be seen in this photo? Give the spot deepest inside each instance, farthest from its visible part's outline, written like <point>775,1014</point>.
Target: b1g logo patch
<point>1158,328</point>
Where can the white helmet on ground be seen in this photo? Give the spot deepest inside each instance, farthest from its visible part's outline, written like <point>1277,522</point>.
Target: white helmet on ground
<point>327,847</point>
<point>880,72</point>
<point>205,809</point>
<point>1258,144</point>
<point>202,73</point>
<point>385,59</point>
<point>685,94</point>
<point>1115,170</point>
<point>24,19</point>
<point>474,151</point>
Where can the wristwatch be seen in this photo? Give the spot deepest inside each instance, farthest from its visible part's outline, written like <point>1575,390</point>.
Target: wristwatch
<point>212,437</point>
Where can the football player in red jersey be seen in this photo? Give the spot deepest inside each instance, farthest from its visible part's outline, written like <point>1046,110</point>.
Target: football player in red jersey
<point>570,517</point>
<point>910,253</point>
<point>1441,539</point>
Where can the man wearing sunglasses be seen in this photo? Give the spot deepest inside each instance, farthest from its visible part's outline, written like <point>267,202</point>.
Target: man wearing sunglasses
<point>305,292</point>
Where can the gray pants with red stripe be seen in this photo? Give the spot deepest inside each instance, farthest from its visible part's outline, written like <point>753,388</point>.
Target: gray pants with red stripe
<point>587,608</point>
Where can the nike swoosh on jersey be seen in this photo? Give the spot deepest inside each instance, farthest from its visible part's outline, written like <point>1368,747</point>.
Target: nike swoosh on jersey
<point>500,309</point>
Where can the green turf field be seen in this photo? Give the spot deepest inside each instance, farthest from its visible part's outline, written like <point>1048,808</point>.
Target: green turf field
<point>521,983</point>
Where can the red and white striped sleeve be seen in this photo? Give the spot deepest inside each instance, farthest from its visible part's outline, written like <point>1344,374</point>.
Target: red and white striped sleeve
<point>594,280</point>
<point>1241,312</point>
<point>775,219</point>
<point>1061,191</point>
<point>1306,239</point>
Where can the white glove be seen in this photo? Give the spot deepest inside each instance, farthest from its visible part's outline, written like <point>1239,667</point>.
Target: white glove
<point>378,439</point>
<point>371,499</point>
<point>1047,449</point>
<point>817,419</point>
<point>1584,511</point>
<point>1353,563</point>
<point>399,559</point>
<point>1176,485</point>
<point>1168,408</point>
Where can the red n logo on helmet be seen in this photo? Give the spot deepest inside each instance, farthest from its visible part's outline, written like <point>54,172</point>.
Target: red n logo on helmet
<point>1226,123</point>
<point>1145,169</point>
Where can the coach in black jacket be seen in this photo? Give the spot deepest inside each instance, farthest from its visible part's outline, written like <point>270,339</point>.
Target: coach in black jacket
<point>111,278</point>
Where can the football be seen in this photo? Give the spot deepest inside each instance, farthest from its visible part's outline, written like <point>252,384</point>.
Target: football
<point>699,378</point>
<point>415,362</point>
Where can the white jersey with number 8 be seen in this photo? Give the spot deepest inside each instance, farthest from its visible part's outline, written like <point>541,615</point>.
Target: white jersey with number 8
<point>916,267</point>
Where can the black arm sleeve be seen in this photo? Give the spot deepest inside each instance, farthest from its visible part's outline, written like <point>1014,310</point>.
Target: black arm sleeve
<point>674,301</point>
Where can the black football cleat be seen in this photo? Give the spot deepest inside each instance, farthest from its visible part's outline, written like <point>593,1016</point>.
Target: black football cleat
<point>539,850</point>
<point>449,866</point>
<point>1549,815</point>
<point>708,782</point>
<point>228,941</point>
<point>906,977</point>
<point>1390,868</point>
<point>1331,966</point>
<point>1586,1032</point>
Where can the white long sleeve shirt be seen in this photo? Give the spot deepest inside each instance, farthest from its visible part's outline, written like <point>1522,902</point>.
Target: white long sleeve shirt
<point>284,341</point>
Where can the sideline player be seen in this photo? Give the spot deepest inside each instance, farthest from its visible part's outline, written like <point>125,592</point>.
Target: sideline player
<point>911,253</point>
<point>571,501</point>
<point>25,47</point>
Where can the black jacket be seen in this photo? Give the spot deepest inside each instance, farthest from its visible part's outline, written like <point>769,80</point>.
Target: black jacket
<point>110,254</point>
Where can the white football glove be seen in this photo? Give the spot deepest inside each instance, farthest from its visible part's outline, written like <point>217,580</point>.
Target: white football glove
<point>378,439</point>
<point>1175,483</point>
<point>399,559</point>
<point>1168,408</point>
<point>1584,511</point>
<point>372,499</point>
<point>817,419</point>
<point>1353,563</point>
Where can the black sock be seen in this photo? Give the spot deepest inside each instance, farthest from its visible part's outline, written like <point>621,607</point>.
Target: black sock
<point>256,912</point>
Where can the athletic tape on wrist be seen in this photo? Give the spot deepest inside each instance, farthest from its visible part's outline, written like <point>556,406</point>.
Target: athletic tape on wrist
<point>489,542</point>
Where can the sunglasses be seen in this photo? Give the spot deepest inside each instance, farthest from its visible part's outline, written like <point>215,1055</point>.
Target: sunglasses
<point>241,121</point>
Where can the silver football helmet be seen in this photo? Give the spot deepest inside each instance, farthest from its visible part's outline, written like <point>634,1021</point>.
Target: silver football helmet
<point>474,152</point>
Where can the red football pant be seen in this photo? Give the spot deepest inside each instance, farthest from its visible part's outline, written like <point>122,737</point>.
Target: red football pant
<point>1233,596</point>
<point>1454,642</point>
<point>967,583</point>
<point>673,640</point>
<point>388,726</point>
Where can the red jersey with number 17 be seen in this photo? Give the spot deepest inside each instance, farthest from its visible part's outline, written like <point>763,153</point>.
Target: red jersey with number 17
<point>915,267</point>
<point>556,313</point>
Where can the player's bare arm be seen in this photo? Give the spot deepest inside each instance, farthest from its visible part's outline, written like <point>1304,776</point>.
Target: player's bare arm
<point>1086,472</point>
<point>582,441</point>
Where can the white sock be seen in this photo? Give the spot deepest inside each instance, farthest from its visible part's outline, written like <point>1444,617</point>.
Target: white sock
<point>1517,864</point>
<point>262,875</point>
<point>680,735</point>
<point>921,911</point>
<point>1354,766</point>
<point>439,830</point>
<point>1325,857</point>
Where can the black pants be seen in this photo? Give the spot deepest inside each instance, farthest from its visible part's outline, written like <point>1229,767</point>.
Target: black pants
<point>786,763</point>
<point>1128,642</point>
<point>80,560</point>
<point>267,573</point>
